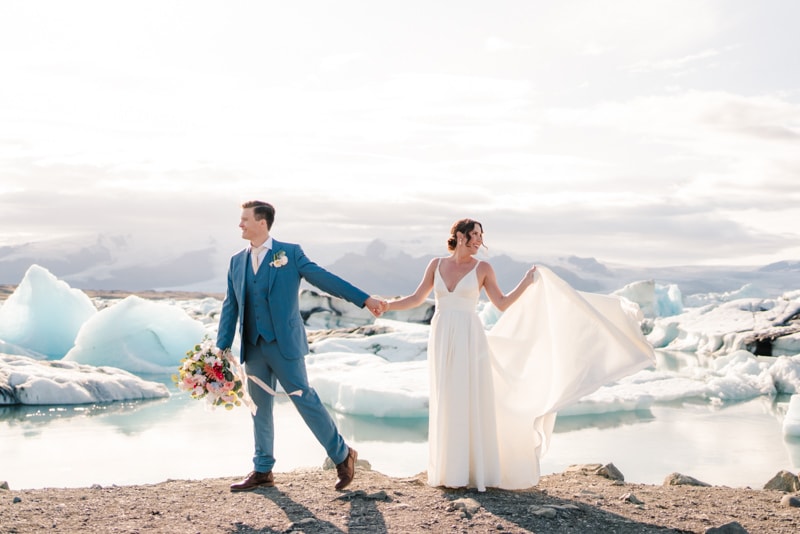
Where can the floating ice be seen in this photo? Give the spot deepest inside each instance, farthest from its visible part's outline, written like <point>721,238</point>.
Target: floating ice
<point>24,380</point>
<point>791,421</point>
<point>654,300</point>
<point>386,375</point>
<point>44,314</point>
<point>366,384</point>
<point>731,326</point>
<point>138,335</point>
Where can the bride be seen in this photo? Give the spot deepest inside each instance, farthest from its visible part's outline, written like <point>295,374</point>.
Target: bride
<point>494,395</point>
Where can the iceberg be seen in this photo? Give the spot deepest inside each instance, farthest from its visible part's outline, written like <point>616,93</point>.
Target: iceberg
<point>654,300</point>
<point>25,380</point>
<point>44,314</point>
<point>768,327</point>
<point>381,370</point>
<point>138,335</point>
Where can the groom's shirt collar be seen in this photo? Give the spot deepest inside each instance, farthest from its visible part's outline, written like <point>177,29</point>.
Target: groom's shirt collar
<point>267,245</point>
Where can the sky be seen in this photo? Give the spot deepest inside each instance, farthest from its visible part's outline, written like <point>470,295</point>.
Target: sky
<point>646,133</point>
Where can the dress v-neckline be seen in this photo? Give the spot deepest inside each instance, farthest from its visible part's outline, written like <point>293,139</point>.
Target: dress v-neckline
<point>439,270</point>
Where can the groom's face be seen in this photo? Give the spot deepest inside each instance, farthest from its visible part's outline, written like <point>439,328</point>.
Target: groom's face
<point>253,230</point>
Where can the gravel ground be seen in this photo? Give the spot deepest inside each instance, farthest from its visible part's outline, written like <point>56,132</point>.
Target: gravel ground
<point>305,501</point>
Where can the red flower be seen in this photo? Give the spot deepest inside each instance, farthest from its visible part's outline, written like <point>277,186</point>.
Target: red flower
<point>213,372</point>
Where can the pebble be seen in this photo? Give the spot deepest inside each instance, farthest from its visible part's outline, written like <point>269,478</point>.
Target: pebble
<point>790,501</point>
<point>677,479</point>
<point>631,498</point>
<point>470,506</point>
<point>543,511</point>
<point>728,528</point>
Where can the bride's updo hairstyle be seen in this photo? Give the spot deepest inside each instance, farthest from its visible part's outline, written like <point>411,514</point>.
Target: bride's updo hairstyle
<point>465,226</point>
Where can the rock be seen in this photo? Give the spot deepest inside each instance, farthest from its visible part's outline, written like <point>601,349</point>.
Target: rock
<point>543,511</point>
<point>728,528</point>
<point>790,501</point>
<point>17,500</point>
<point>96,486</point>
<point>583,468</point>
<point>631,498</point>
<point>378,496</point>
<point>564,507</point>
<point>610,471</point>
<point>466,505</point>
<point>4,485</point>
<point>677,479</point>
<point>784,481</point>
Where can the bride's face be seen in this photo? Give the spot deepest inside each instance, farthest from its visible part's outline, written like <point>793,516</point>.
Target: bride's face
<point>474,239</point>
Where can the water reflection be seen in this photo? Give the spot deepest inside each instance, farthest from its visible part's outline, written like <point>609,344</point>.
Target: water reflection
<point>362,428</point>
<point>36,417</point>
<point>606,420</point>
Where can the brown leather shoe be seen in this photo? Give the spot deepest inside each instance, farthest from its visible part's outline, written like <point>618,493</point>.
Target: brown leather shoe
<point>347,469</point>
<point>255,479</point>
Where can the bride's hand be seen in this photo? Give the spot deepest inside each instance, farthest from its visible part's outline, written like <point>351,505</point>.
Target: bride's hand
<point>531,274</point>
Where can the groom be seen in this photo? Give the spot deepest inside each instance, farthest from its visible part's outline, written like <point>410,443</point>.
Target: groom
<point>262,295</point>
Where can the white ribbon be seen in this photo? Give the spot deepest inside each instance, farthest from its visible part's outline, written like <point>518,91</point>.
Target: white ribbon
<point>246,399</point>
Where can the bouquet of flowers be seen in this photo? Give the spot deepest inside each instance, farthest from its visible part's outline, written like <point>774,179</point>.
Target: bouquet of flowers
<point>207,373</point>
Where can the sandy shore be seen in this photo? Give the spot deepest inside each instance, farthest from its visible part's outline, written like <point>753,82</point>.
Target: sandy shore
<point>305,501</point>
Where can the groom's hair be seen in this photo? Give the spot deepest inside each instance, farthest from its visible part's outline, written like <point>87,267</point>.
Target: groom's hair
<point>261,210</point>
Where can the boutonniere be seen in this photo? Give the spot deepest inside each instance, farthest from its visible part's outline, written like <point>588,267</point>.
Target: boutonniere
<point>279,259</point>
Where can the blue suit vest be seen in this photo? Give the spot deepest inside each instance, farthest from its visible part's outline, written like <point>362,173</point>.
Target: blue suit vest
<point>257,315</point>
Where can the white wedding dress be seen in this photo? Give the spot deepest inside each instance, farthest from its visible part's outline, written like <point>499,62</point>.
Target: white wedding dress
<point>494,395</point>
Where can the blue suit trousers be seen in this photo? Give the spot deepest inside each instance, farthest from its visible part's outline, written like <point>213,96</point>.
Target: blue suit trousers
<point>265,361</point>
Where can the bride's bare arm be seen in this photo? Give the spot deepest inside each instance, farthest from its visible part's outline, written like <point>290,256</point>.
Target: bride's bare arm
<point>418,297</point>
<point>493,291</point>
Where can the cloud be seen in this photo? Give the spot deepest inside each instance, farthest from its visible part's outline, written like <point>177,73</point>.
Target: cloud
<point>672,64</point>
<point>560,125</point>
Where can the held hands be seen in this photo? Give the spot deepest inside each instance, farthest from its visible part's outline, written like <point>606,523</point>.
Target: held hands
<point>376,306</point>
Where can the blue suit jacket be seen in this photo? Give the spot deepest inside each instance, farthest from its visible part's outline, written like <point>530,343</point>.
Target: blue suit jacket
<point>283,296</point>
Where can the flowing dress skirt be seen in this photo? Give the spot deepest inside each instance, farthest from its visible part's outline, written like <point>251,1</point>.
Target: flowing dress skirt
<point>495,396</point>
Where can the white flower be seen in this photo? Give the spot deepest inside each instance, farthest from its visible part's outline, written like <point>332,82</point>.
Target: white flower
<point>279,259</point>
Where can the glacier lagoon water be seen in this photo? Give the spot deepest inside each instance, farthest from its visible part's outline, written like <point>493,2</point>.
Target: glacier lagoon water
<point>737,444</point>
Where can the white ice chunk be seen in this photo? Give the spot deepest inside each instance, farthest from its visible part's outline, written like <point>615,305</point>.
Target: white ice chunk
<point>138,335</point>
<point>24,380</point>
<point>365,384</point>
<point>44,314</point>
<point>727,327</point>
<point>791,421</point>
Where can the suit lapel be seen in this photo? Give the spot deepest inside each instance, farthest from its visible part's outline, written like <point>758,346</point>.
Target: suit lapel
<point>276,246</point>
<point>241,275</point>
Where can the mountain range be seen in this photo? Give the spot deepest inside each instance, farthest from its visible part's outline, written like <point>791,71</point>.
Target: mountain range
<point>119,262</point>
